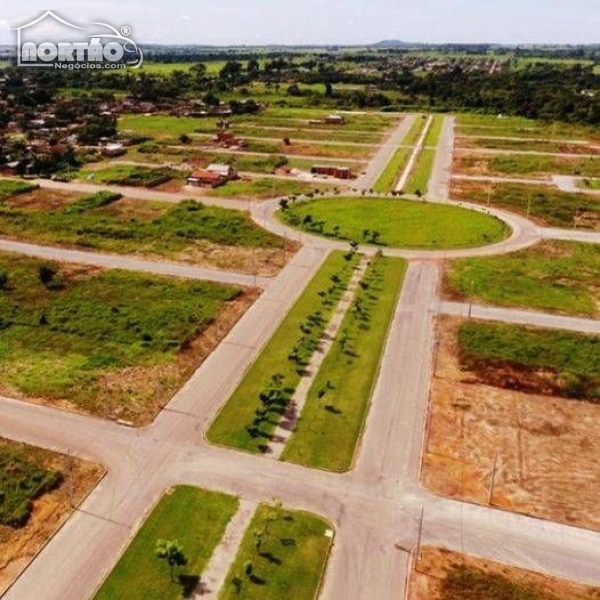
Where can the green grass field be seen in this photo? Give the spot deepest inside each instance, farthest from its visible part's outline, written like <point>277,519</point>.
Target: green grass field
<point>400,223</point>
<point>23,479</point>
<point>152,228</point>
<point>332,420</point>
<point>260,189</point>
<point>418,182</point>
<point>529,165</point>
<point>66,330</point>
<point>549,206</point>
<point>119,174</point>
<point>14,187</point>
<point>552,276</point>
<point>255,408</point>
<point>571,359</point>
<point>591,184</point>
<point>282,555</point>
<point>194,517</point>
<point>556,147</point>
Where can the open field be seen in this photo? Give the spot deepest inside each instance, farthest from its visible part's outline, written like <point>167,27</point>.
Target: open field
<point>530,145</point>
<point>307,133</point>
<point>261,189</point>
<point>197,520</point>
<point>445,575</point>
<point>591,184</point>
<point>395,223</point>
<point>37,489</point>
<point>111,343</point>
<point>525,165</point>
<point>489,125</point>
<point>119,174</point>
<point>331,423</point>
<point>552,276</point>
<point>190,231</point>
<point>14,187</point>
<point>543,204</point>
<point>255,408</point>
<point>557,363</point>
<point>282,555</point>
<point>531,453</point>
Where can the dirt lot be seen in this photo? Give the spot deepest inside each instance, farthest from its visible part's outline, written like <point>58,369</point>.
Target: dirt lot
<point>429,580</point>
<point>42,199</point>
<point>19,546</point>
<point>526,453</point>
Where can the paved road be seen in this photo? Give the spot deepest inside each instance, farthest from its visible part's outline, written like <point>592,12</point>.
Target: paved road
<point>572,235</point>
<point>518,317</point>
<point>376,507</point>
<point>439,183</point>
<point>136,193</point>
<point>130,263</point>
<point>384,154</point>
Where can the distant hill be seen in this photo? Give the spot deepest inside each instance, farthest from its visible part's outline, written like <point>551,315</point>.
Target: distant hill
<point>392,44</point>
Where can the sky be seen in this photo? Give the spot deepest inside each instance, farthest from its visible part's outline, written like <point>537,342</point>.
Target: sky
<point>258,22</point>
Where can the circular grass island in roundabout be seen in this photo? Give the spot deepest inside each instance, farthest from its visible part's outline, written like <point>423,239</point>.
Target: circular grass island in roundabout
<point>395,223</point>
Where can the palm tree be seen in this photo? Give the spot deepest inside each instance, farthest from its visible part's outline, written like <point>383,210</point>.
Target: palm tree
<point>171,551</point>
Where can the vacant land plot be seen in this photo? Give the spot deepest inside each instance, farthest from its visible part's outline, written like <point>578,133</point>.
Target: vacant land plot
<point>526,452</point>
<point>489,125</point>
<point>531,145</point>
<point>529,165</point>
<point>188,231</point>
<point>308,133</point>
<point>557,363</point>
<point>552,276</point>
<point>121,174</point>
<point>283,555</point>
<point>112,343</point>
<point>591,184</point>
<point>197,519</point>
<point>543,204</point>
<point>250,416</point>
<point>14,187</point>
<point>445,575</point>
<point>331,423</point>
<point>397,223</point>
<point>260,189</point>
<point>37,488</point>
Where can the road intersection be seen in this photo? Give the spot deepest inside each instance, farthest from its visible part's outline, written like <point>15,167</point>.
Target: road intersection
<point>378,508</point>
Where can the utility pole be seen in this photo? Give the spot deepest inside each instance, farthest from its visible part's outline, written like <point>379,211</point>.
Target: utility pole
<point>70,478</point>
<point>419,537</point>
<point>493,478</point>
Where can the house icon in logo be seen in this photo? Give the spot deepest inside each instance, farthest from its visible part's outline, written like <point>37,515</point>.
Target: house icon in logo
<point>26,49</point>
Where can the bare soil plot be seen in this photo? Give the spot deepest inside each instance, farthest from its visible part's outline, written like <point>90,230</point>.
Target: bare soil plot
<point>445,575</point>
<point>524,452</point>
<point>42,199</point>
<point>18,545</point>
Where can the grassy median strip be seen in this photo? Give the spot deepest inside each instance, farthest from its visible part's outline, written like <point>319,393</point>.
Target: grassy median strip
<point>387,180</point>
<point>433,135</point>
<point>337,403</point>
<point>282,555</point>
<point>195,518</point>
<point>252,413</point>
<point>419,178</point>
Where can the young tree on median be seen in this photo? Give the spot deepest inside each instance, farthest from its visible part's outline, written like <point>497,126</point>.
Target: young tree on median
<point>171,551</point>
